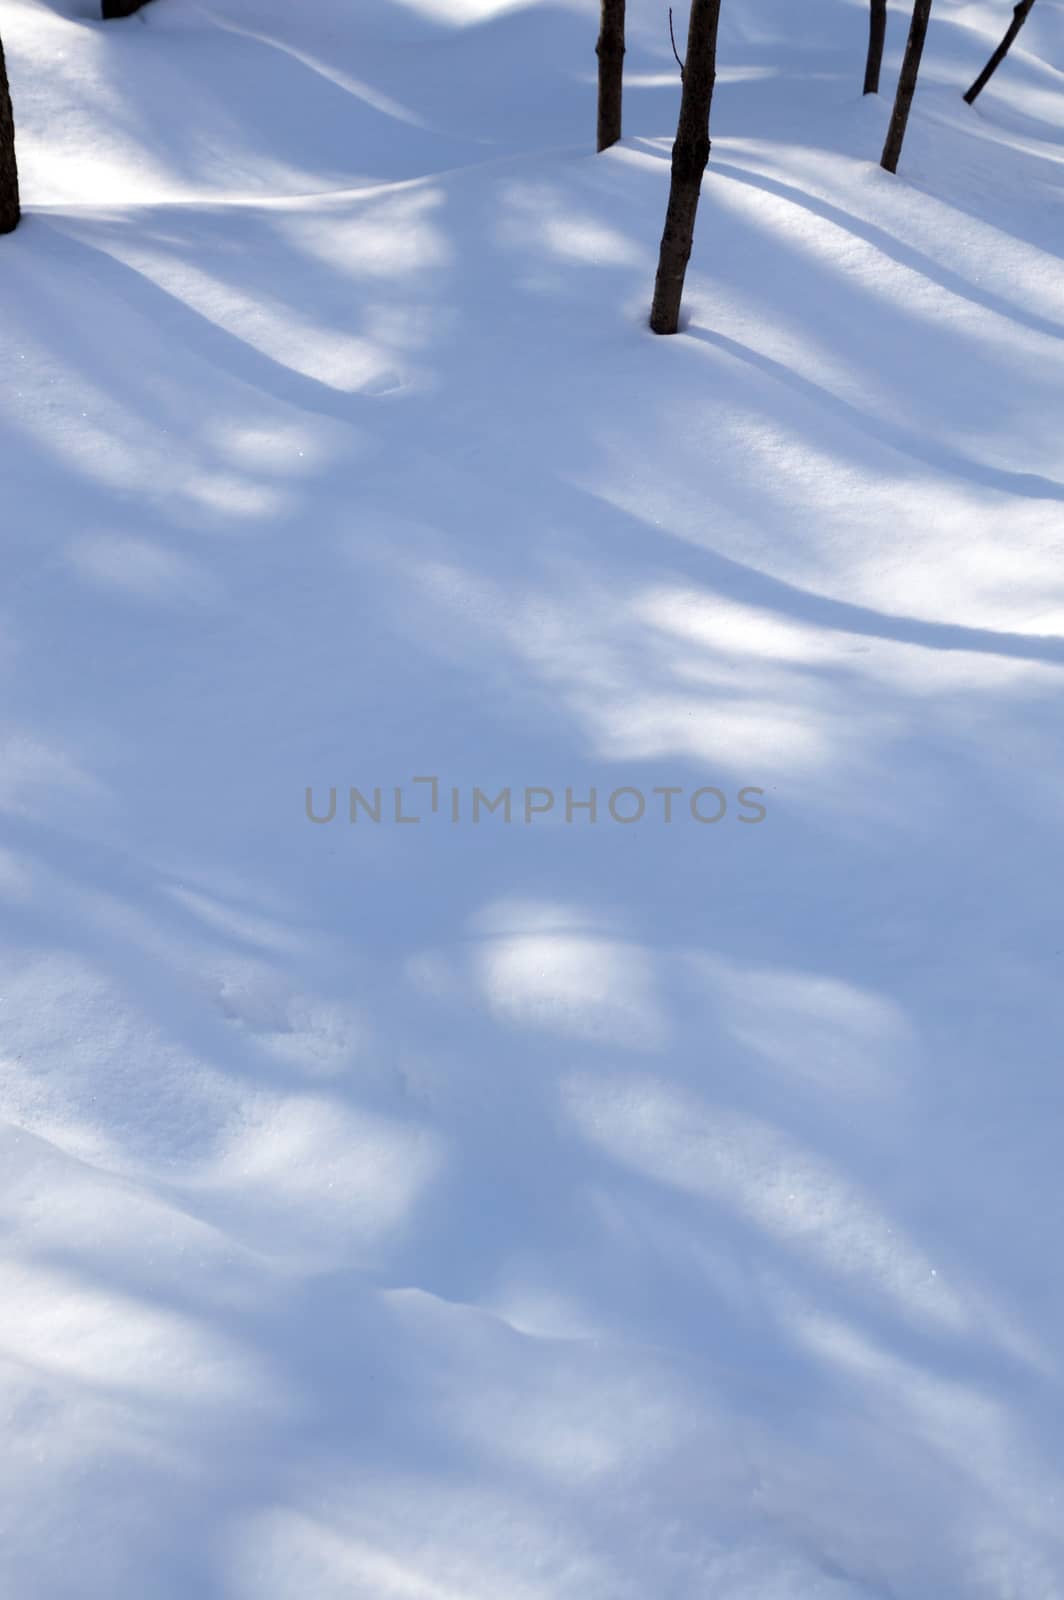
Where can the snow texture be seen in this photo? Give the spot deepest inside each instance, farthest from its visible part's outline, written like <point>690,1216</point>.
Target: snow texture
<point>546,1210</point>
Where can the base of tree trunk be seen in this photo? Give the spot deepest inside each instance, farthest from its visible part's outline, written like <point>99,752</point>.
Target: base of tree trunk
<point>676,242</point>
<point>611,66</point>
<point>120,8</point>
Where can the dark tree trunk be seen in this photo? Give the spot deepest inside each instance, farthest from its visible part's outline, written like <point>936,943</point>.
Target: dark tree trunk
<point>610,52</point>
<point>910,71</point>
<point>121,8</point>
<point>10,210</point>
<point>1020,14</point>
<point>877,33</point>
<point>690,154</point>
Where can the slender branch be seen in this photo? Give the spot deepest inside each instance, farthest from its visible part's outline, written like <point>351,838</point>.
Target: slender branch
<point>1020,13</point>
<point>675,52</point>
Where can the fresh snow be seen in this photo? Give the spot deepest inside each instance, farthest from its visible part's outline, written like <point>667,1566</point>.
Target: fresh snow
<point>553,1210</point>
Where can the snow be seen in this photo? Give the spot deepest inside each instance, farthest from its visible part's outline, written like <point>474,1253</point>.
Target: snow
<point>454,1210</point>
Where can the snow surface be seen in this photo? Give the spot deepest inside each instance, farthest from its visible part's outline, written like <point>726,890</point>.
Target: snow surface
<point>548,1210</point>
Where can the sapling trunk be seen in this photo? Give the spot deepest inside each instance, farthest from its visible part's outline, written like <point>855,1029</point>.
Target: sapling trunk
<point>877,34</point>
<point>610,52</point>
<point>690,153</point>
<point>910,71</point>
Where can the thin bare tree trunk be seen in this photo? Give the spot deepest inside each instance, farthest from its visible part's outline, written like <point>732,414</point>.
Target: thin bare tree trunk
<point>10,210</point>
<point>910,71</point>
<point>610,52</point>
<point>690,154</point>
<point>1020,14</point>
<point>877,34</point>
